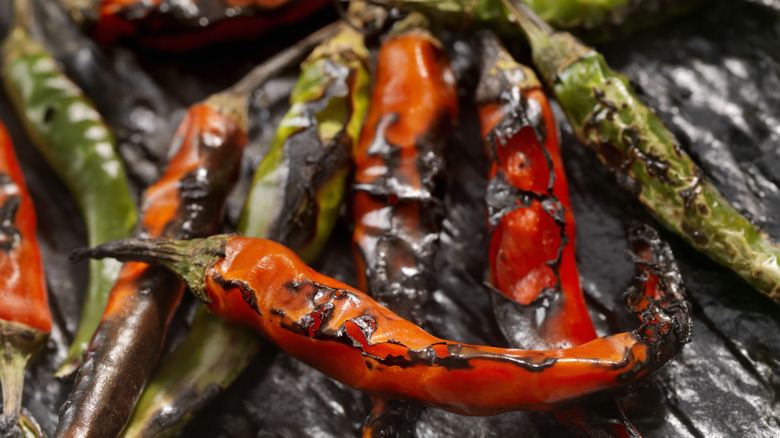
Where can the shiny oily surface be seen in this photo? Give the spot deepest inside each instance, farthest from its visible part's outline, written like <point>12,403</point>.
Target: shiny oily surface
<point>718,90</point>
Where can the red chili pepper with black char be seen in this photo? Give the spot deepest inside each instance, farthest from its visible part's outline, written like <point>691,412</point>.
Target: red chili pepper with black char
<point>186,202</point>
<point>25,319</point>
<point>183,25</point>
<point>398,184</point>
<point>532,250</point>
<point>351,338</point>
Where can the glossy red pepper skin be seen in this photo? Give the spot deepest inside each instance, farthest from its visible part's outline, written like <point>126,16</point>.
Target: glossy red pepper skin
<point>532,250</point>
<point>184,25</point>
<point>399,172</point>
<point>350,337</point>
<point>186,202</point>
<point>25,319</point>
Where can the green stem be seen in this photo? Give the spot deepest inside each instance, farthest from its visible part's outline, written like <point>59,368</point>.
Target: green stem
<point>18,344</point>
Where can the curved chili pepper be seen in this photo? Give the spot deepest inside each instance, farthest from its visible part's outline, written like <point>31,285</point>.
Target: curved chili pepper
<point>295,198</point>
<point>351,338</point>
<point>186,202</point>
<point>76,143</point>
<point>25,319</point>
<point>188,24</point>
<point>594,20</point>
<point>630,139</point>
<point>532,249</point>
<point>399,172</point>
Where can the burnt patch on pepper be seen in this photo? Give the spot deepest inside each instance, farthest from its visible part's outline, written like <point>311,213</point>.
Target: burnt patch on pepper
<point>9,233</point>
<point>697,236</point>
<point>246,291</point>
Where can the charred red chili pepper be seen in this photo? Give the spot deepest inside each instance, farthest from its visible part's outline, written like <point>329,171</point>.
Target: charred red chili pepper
<point>350,337</point>
<point>185,202</point>
<point>532,250</point>
<point>399,170</point>
<point>188,24</point>
<point>25,320</point>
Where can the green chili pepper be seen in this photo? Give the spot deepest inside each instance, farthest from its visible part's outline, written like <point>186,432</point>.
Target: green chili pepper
<point>77,144</point>
<point>295,198</point>
<point>606,114</point>
<point>596,20</point>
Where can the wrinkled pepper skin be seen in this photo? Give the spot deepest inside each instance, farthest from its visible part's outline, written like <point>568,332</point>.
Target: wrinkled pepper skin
<point>630,139</point>
<point>77,144</point>
<point>25,319</point>
<point>182,25</point>
<point>295,198</point>
<point>186,202</point>
<point>397,210</point>
<point>594,20</point>
<point>532,250</point>
<point>351,338</point>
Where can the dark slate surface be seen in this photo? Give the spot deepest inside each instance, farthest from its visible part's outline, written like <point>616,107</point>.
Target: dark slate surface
<point>714,77</point>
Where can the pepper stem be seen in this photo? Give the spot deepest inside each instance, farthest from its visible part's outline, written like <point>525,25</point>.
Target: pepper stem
<point>18,344</point>
<point>189,259</point>
<point>552,51</point>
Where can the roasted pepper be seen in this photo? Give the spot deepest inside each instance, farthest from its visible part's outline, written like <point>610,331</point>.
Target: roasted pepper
<point>630,139</point>
<point>185,202</point>
<point>532,249</point>
<point>76,143</point>
<point>25,319</point>
<point>295,198</point>
<point>351,338</point>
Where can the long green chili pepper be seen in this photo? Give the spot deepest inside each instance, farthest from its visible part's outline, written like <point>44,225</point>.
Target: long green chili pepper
<point>596,20</point>
<point>76,143</point>
<point>629,138</point>
<point>295,198</point>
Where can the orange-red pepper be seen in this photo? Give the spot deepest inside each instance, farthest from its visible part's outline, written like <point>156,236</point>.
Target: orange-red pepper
<point>350,337</point>
<point>25,319</point>
<point>186,202</point>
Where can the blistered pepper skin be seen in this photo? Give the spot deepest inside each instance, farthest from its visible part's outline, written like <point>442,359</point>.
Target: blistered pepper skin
<point>187,201</point>
<point>351,338</point>
<point>630,139</point>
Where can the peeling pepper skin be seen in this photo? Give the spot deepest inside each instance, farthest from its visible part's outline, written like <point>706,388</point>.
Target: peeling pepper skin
<point>77,144</point>
<point>25,319</point>
<point>185,202</point>
<point>629,138</point>
<point>181,25</point>
<point>532,255</point>
<point>351,338</point>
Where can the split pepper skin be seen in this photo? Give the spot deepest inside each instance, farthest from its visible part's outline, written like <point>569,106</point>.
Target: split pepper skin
<point>353,339</point>
<point>186,202</point>
<point>532,248</point>
<point>25,319</point>
<point>607,116</point>
<point>75,141</point>
<point>399,175</point>
<point>295,198</point>
<point>182,25</point>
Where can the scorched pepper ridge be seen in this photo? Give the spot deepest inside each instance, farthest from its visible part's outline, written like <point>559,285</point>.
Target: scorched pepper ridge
<point>185,202</point>
<point>397,208</point>
<point>350,337</point>
<point>25,319</point>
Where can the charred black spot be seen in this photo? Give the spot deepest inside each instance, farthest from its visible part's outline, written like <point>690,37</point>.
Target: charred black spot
<point>9,233</point>
<point>697,236</point>
<point>369,365</point>
<point>246,292</point>
<point>658,168</point>
<point>703,209</point>
<point>601,98</point>
<point>690,194</point>
<point>278,312</point>
<point>48,114</point>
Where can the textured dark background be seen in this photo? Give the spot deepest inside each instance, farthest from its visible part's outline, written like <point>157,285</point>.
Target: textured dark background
<point>713,77</point>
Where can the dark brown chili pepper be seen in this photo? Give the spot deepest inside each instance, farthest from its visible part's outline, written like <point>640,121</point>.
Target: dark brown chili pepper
<point>25,319</point>
<point>532,249</point>
<point>351,338</point>
<point>179,25</point>
<point>398,183</point>
<point>186,202</point>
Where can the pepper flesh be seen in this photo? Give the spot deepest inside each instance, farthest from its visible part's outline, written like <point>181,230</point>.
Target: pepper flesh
<point>398,180</point>
<point>76,143</point>
<point>532,255</point>
<point>186,202</point>
<point>329,103</point>
<point>629,138</point>
<point>25,319</point>
<point>351,338</point>
<point>184,25</point>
